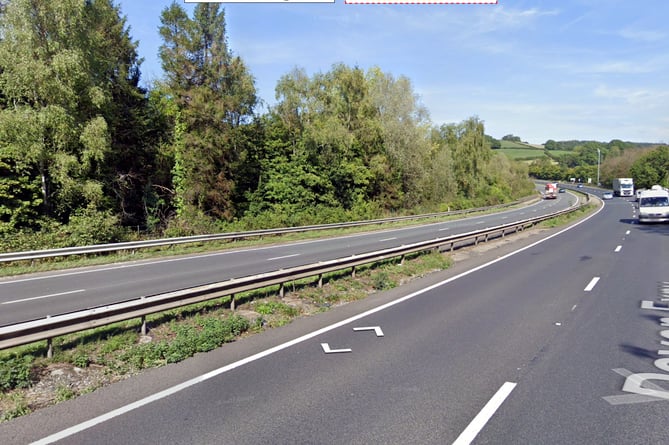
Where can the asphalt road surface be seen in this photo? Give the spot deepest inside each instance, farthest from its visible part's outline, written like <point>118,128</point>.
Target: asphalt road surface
<point>36,296</point>
<point>531,346</point>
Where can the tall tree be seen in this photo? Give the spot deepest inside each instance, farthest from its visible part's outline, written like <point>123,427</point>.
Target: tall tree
<point>215,97</point>
<point>405,129</point>
<point>63,67</point>
<point>652,168</point>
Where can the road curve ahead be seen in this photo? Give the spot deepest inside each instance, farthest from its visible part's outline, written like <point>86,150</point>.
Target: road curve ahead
<point>559,329</point>
<point>36,296</point>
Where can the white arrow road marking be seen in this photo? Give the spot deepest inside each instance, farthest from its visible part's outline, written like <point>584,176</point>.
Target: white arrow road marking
<point>377,329</point>
<point>46,296</point>
<point>633,398</point>
<point>327,350</point>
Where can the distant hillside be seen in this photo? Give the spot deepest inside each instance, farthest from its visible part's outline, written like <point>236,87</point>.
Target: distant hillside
<point>516,144</point>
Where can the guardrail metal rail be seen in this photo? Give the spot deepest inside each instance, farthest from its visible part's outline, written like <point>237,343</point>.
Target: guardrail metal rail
<point>56,325</point>
<point>133,245</point>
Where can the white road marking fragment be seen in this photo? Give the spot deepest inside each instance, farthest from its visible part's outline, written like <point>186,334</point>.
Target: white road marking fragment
<point>445,228</point>
<point>476,425</point>
<point>625,399</point>
<point>618,249</point>
<point>45,296</point>
<point>282,257</point>
<point>627,233</point>
<point>591,285</point>
<point>376,329</point>
<point>387,239</point>
<point>573,308</point>
<point>327,350</point>
<point>239,363</point>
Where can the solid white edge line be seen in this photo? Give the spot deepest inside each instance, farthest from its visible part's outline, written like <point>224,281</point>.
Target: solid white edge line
<point>194,381</point>
<point>591,285</point>
<point>477,424</point>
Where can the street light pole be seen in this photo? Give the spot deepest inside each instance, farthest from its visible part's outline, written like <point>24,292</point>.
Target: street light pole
<point>599,161</point>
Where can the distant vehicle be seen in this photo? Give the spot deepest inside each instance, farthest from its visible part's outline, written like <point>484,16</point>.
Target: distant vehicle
<point>607,195</point>
<point>623,186</point>
<point>550,191</point>
<point>654,206</point>
<point>561,191</point>
<point>580,186</point>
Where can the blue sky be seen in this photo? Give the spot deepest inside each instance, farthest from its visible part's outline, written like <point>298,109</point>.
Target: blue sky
<point>568,69</point>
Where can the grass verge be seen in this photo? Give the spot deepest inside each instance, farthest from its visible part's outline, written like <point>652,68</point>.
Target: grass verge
<point>85,361</point>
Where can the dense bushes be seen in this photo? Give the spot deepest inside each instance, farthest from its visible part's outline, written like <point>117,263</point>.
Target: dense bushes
<point>15,372</point>
<point>206,334</point>
<point>85,227</point>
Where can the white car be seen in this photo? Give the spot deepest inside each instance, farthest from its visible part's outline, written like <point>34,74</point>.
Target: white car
<point>607,195</point>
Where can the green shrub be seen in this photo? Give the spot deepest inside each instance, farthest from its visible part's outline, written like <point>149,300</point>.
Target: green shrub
<point>81,360</point>
<point>205,335</point>
<point>275,307</point>
<point>90,226</point>
<point>381,281</point>
<point>19,409</point>
<point>15,372</point>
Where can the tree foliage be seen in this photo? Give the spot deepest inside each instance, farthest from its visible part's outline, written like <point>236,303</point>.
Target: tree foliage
<point>652,168</point>
<point>85,151</point>
<point>69,104</point>
<point>214,96</point>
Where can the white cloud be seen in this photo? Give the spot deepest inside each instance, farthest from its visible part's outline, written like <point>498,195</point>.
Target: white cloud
<point>642,35</point>
<point>646,97</point>
<point>503,18</point>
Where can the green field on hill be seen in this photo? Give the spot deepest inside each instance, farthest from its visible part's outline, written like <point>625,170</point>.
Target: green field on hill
<point>522,151</point>
<point>514,144</point>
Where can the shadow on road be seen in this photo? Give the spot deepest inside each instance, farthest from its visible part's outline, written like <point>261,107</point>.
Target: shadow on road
<point>639,352</point>
<point>661,228</point>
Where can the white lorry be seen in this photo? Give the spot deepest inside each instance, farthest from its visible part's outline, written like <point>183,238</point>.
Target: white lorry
<point>623,186</point>
<point>654,205</point>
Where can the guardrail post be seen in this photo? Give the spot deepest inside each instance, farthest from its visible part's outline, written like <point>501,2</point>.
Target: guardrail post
<point>402,258</point>
<point>143,330</point>
<point>320,280</point>
<point>232,302</point>
<point>476,240</point>
<point>49,348</point>
<point>282,290</point>
<point>353,272</point>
